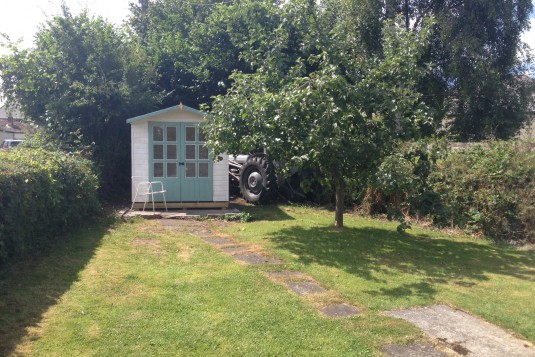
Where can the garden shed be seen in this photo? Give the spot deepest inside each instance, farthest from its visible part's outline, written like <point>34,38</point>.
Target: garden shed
<point>169,147</point>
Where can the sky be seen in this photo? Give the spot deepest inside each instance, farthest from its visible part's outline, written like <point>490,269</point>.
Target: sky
<point>21,18</point>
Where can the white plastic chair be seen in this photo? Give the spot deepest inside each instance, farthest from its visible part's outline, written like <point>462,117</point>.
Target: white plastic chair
<point>149,188</point>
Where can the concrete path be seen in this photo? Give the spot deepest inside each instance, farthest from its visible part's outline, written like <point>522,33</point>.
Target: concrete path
<point>463,333</point>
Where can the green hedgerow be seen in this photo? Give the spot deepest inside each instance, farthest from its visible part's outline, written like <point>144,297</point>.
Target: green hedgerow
<point>42,195</point>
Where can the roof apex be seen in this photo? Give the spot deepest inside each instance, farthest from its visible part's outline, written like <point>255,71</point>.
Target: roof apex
<point>180,107</point>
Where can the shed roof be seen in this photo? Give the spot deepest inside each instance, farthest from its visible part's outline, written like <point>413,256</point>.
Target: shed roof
<point>179,107</point>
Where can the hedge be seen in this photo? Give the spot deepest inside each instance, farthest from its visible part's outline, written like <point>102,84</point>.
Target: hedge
<point>485,189</point>
<point>43,195</point>
<point>490,190</point>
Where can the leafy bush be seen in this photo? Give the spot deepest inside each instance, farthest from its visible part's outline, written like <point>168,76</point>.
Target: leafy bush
<point>43,194</point>
<point>401,185</point>
<point>489,190</point>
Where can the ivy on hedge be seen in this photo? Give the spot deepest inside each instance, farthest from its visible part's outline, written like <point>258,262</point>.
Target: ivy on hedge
<point>43,194</point>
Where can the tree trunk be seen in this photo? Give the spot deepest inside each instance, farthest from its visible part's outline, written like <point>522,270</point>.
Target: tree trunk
<point>340,187</point>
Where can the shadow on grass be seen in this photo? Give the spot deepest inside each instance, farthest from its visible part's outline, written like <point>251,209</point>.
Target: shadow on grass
<point>33,284</point>
<point>374,253</point>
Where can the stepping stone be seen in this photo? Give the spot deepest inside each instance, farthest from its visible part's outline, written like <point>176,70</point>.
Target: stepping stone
<point>217,240</point>
<point>171,222</point>
<point>253,258</point>
<point>234,249</point>
<point>412,350</point>
<point>305,287</point>
<point>340,310</point>
<point>285,274</point>
<point>203,233</point>
<point>464,333</point>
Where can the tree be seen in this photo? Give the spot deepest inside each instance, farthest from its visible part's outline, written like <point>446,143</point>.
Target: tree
<point>336,107</point>
<point>195,47</point>
<point>80,83</point>
<point>478,58</point>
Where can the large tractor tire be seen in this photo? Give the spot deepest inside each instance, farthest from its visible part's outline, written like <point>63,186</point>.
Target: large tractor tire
<point>258,182</point>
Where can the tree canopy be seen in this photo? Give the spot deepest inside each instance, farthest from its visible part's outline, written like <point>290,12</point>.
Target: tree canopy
<point>336,107</point>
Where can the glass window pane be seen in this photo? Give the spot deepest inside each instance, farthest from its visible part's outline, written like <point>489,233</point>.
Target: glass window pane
<point>203,169</point>
<point>203,152</point>
<point>190,133</point>
<point>157,152</point>
<point>202,136</point>
<point>157,133</point>
<point>158,169</point>
<point>171,133</point>
<point>190,169</point>
<point>171,152</point>
<point>171,169</point>
<point>190,152</point>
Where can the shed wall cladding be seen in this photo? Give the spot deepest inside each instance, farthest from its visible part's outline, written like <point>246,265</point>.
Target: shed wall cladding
<point>140,154</point>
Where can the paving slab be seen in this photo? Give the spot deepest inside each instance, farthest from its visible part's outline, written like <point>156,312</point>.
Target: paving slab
<point>254,258</point>
<point>305,287</point>
<point>285,274</point>
<point>412,350</point>
<point>172,222</point>
<point>465,334</point>
<point>340,310</point>
<point>234,249</point>
<point>217,240</point>
<point>203,233</point>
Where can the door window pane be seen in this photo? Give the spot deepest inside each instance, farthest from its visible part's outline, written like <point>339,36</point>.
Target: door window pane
<point>171,133</point>
<point>203,152</point>
<point>203,169</point>
<point>157,133</point>
<point>190,152</point>
<point>157,152</point>
<point>190,169</point>
<point>158,169</point>
<point>171,152</point>
<point>190,133</point>
<point>171,169</point>
<point>202,136</point>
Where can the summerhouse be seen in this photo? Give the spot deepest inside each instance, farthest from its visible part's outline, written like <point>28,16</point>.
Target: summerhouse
<point>171,163</point>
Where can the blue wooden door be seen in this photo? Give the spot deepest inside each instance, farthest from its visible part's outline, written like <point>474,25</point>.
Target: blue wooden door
<point>179,158</point>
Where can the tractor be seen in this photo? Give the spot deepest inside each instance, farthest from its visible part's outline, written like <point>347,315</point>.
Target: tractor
<point>254,176</point>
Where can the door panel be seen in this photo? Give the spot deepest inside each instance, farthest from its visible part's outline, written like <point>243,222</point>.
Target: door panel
<point>179,158</point>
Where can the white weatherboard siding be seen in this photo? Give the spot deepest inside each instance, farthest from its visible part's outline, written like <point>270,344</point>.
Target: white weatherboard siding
<point>140,153</point>
<point>221,180</point>
<point>140,156</point>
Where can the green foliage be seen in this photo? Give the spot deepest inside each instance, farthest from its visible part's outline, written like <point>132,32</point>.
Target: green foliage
<point>477,56</point>
<point>489,190</point>
<point>43,194</point>
<point>336,108</point>
<point>80,83</point>
<point>242,217</point>
<point>195,48</point>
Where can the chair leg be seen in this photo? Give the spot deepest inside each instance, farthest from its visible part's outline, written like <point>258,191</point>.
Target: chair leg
<point>164,201</point>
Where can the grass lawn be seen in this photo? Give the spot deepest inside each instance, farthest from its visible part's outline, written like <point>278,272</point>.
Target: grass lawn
<point>141,289</point>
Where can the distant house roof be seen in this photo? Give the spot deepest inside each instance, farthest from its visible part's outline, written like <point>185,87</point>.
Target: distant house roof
<point>11,121</point>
